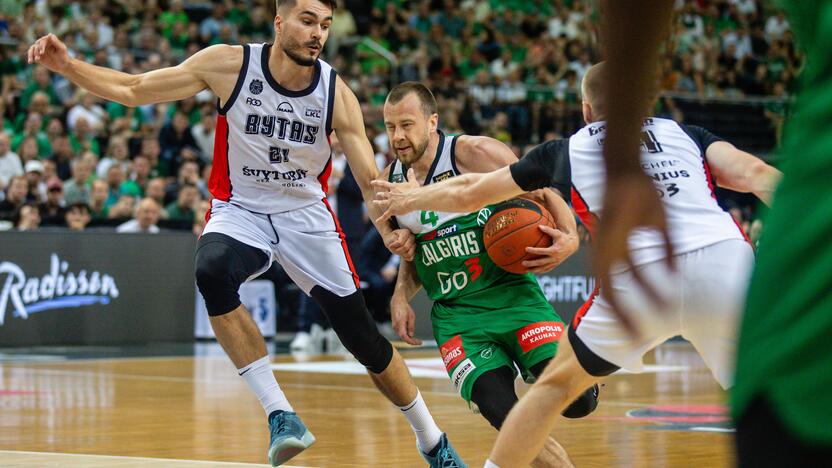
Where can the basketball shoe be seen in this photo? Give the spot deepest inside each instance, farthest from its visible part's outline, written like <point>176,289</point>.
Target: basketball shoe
<point>444,455</point>
<point>289,436</point>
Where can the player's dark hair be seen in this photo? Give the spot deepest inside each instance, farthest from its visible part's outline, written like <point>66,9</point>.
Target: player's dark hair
<point>401,90</point>
<point>332,4</point>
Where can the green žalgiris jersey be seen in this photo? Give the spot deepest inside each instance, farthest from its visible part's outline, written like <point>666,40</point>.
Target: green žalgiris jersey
<point>451,260</point>
<point>785,347</point>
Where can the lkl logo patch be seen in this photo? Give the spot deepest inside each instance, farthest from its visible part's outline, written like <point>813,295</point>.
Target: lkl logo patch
<point>452,352</point>
<point>536,334</point>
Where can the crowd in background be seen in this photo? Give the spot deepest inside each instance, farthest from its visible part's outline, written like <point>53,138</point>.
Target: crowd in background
<point>510,69</point>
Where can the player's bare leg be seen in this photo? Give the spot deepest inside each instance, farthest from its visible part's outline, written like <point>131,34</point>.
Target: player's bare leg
<point>395,382</point>
<point>552,455</point>
<point>239,336</point>
<point>241,339</point>
<point>529,423</point>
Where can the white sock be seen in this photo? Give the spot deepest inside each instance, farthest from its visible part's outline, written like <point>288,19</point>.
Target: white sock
<point>425,428</point>
<point>490,464</point>
<point>260,378</point>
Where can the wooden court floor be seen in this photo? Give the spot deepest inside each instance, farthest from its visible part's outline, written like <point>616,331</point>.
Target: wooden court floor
<point>195,411</point>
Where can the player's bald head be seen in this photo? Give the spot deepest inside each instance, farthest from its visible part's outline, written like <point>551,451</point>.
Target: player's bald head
<point>592,89</point>
<point>594,93</point>
<point>285,6</point>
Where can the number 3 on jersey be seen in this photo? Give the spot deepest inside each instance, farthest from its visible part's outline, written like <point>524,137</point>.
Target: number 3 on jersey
<point>429,217</point>
<point>459,280</point>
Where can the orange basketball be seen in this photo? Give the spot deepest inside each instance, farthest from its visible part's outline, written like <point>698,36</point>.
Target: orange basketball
<point>513,226</point>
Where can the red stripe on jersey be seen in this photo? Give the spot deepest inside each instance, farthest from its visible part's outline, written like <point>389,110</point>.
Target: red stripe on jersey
<point>585,307</point>
<point>587,217</point>
<point>343,245</point>
<point>710,178</point>
<point>323,177</point>
<point>219,184</point>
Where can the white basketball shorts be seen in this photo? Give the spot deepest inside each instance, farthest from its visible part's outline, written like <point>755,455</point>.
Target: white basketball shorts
<point>703,303</point>
<point>307,242</point>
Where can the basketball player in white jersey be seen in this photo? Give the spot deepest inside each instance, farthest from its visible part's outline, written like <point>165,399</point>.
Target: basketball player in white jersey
<point>277,106</point>
<point>702,298</point>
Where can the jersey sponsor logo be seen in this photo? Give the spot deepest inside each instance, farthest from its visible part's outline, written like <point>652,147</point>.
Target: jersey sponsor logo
<point>482,216</point>
<point>285,107</point>
<point>461,373</point>
<point>313,112</point>
<point>536,334</point>
<point>460,245</point>
<point>486,353</point>
<point>447,230</point>
<point>268,175</point>
<point>281,128</point>
<point>255,86</point>
<point>597,129</point>
<point>254,102</point>
<point>452,352</point>
<point>443,176</point>
<point>397,178</point>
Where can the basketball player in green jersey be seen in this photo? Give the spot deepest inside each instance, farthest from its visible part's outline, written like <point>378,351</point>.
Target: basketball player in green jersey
<point>485,319</point>
<point>782,399</point>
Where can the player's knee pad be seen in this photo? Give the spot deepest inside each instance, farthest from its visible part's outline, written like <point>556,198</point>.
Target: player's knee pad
<point>222,264</point>
<point>584,404</point>
<point>355,327</point>
<point>493,393</point>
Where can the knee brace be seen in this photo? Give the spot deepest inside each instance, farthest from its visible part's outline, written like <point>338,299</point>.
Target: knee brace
<point>355,328</point>
<point>583,405</point>
<point>493,393</point>
<point>221,265</point>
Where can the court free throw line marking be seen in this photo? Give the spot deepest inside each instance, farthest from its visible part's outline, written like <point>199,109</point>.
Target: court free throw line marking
<point>80,459</point>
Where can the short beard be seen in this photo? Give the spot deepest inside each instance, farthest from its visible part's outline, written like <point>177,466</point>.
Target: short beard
<point>418,152</point>
<point>302,60</point>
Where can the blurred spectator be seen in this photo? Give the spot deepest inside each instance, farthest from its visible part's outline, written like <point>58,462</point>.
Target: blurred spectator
<point>52,210</point>
<point>173,138</point>
<point>202,208</point>
<point>211,27</point>
<point>188,175</point>
<point>351,210</point>
<point>34,174</point>
<point>98,199</point>
<point>32,130</point>
<point>77,216</point>
<point>41,81</point>
<point>123,207</point>
<point>203,135</point>
<point>117,153</point>
<point>146,217</point>
<point>156,190</point>
<point>28,217</point>
<point>88,109</point>
<point>15,197</point>
<point>183,207</point>
<point>139,176</point>
<point>10,164</point>
<point>76,189</point>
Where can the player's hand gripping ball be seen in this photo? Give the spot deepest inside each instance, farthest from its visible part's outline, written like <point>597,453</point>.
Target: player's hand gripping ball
<point>513,226</point>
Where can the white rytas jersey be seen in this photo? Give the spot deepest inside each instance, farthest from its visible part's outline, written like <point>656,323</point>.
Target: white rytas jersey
<point>672,155</point>
<point>271,150</point>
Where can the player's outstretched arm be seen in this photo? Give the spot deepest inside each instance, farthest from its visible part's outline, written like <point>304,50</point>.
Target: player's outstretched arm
<point>205,68</point>
<point>348,123</point>
<point>401,313</point>
<point>463,194</point>
<point>737,170</point>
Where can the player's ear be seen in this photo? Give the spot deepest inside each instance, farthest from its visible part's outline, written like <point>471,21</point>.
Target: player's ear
<point>433,122</point>
<point>278,23</point>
